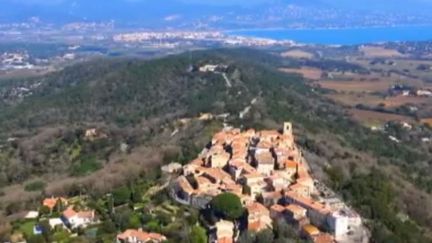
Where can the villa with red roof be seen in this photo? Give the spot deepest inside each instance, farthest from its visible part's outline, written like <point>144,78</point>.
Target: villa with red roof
<point>139,236</point>
<point>78,219</point>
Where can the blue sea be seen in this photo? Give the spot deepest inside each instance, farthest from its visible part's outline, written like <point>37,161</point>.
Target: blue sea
<point>343,36</point>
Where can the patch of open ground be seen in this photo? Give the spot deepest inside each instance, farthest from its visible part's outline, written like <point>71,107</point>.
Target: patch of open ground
<point>352,99</point>
<point>427,121</point>
<point>25,73</point>
<point>357,85</point>
<point>309,73</point>
<point>374,118</point>
<point>297,53</point>
<point>403,100</point>
<point>377,51</point>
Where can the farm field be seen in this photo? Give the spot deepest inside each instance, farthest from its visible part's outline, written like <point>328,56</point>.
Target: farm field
<point>296,53</point>
<point>376,51</point>
<point>404,100</point>
<point>427,121</point>
<point>373,118</point>
<point>307,72</point>
<point>356,86</point>
<point>349,99</point>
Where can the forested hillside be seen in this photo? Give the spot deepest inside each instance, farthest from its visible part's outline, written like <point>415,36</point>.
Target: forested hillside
<point>137,106</point>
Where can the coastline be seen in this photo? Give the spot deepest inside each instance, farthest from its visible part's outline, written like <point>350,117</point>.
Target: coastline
<point>325,28</point>
<point>340,36</point>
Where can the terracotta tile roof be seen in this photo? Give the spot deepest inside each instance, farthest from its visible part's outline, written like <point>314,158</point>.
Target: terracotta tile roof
<point>257,209</point>
<point>298,187</point>
<point>302,174</point>
<point>303,182</point>
<point>249,133</point>
<point>70,212</point>
<point>257,225</point>
<point>240,142</point>
<point>253,175</point>
<point>277,208</point>
<point>197,161</point>
<point>202,181</point>
<point>219,137</point>
<point>275,178</point>
<point>241,164</point>
<point>323,238</point>
<point>51,202</point>
<point>217,173</point>
<point>232,187</point>
<point>272,194</point>
<point>235,131</point>
<point>267,134</point>
<point>264,157</point>
<point>311,230</point>
<point>239,154</point>
<point>185,185</point>
<point>308,203</point>
<point>295,209</point>
<point>156,236</point>
<point>225,240</point>
<point>291,164</point>
<point>141,236</point>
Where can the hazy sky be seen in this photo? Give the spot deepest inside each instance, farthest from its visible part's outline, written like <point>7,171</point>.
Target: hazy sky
<point>390,4</point>
<point>128,9</point>
<point>353,3</point>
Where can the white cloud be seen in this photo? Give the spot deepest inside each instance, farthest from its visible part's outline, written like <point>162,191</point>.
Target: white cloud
<point>172,17</point>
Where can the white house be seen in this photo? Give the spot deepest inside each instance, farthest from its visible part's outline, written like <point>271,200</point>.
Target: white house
<point>56,222</point>
<point>76,219</point>
<point>32,215</point>
<point>338,223</point>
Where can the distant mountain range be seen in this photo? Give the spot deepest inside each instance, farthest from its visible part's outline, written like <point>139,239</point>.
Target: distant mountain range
<point>177,13</point>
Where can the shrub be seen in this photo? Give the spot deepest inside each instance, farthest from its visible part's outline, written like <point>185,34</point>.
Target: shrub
<point>35,186</point>
<point>122,196</point>
<point>227,205</point>
<point>85,166</point>
<point>198,235</point>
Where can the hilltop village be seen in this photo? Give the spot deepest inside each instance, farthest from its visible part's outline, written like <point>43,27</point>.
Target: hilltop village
<point>267,171</point>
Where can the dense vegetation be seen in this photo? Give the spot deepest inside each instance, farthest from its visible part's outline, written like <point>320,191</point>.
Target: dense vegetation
<point>136,104</point>
<point>228,206</point>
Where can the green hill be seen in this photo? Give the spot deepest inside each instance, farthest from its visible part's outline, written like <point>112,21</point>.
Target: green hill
<point>138,104</point>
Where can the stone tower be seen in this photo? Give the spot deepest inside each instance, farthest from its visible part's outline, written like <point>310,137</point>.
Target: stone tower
<point>287,129</point>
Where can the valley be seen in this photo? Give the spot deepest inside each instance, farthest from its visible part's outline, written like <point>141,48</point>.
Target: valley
<point>388,83</point>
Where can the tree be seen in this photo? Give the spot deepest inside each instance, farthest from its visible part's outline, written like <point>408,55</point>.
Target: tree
<point>134,221</point>
<point>247,237</point>
<point>108,227</point>
<point>121,196</point>
<point>44,210</point>
<point>46,229</point>
<point>192,218</point>
<point>36,239</point>
<point>198,235</point>
<point>59,207</point>
<point>137,196</point>
<point>264,236</point>
<point>283,230</point>
<point>336,176</point>
<point>227,205</point>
